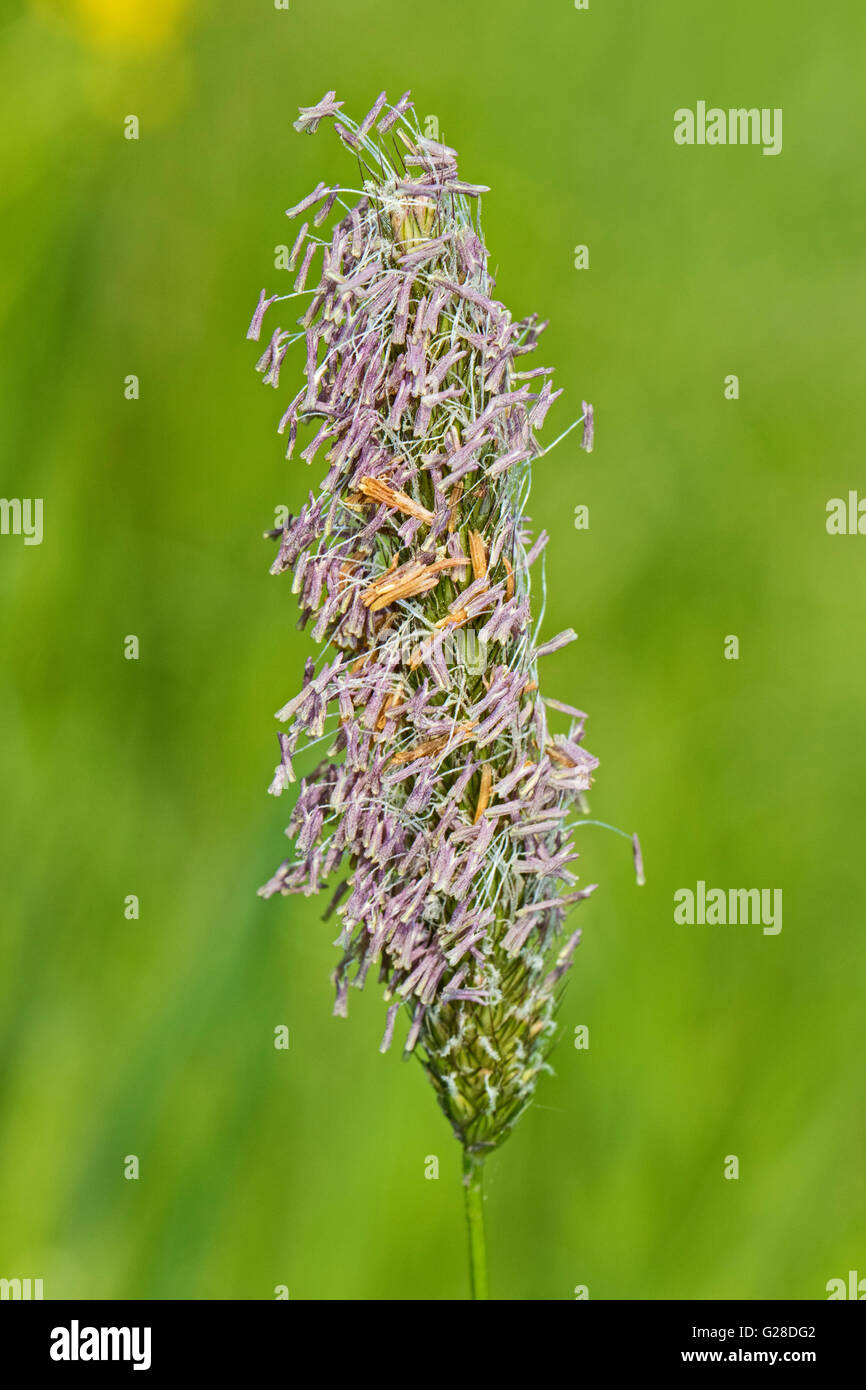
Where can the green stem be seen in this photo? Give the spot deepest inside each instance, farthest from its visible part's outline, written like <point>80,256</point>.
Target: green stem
<point>473,1169</point>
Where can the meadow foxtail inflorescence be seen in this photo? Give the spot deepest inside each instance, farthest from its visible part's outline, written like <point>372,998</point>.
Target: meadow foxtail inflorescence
<point>444,795</point>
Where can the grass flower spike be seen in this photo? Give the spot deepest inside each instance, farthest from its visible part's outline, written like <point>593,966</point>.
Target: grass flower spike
<point>443,799</point>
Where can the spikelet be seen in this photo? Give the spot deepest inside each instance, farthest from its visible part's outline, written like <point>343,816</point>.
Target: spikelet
<point>444,802</point>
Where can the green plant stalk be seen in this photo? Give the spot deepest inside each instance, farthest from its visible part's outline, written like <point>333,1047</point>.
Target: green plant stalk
<point>473,1172</point>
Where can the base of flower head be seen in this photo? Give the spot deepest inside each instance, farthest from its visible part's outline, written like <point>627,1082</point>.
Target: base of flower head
<point>484,1061</point>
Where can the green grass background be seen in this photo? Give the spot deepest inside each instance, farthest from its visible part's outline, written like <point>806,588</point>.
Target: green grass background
<point>155,1037</point>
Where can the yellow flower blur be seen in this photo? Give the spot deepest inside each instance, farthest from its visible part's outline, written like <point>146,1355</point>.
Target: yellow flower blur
<point>128,24</point>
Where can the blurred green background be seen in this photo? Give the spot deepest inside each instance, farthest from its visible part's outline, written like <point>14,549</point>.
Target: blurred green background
<point>707,518</point>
